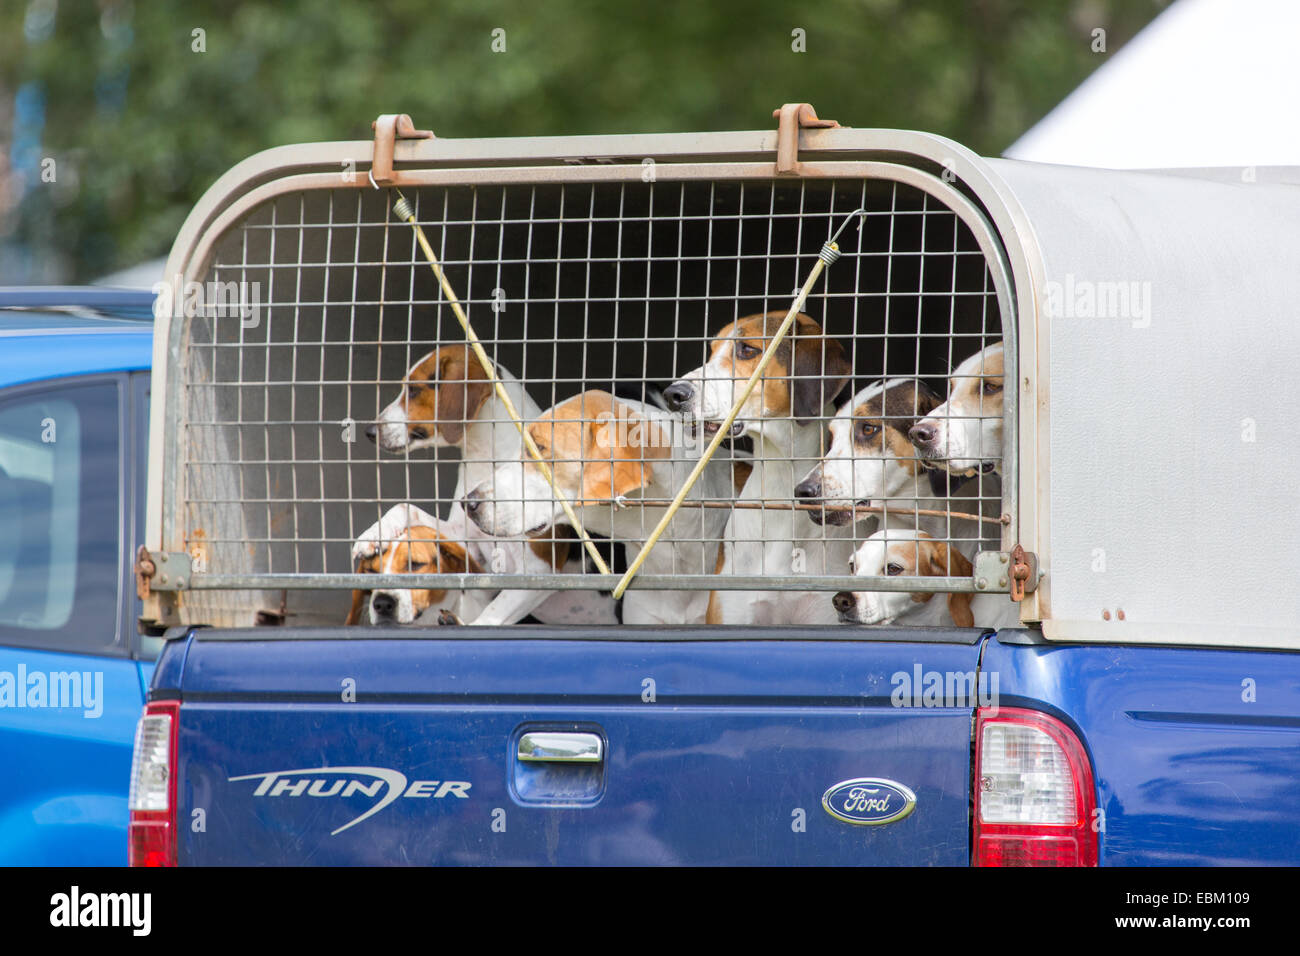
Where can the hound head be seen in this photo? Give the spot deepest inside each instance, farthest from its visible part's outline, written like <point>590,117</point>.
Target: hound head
<point>964,434</point>
<point>902,553</point>
<point>597,448</point>
<point>807,371</point>
<point>442,393</point>
<point>870,458</point>
<point>420,550</point>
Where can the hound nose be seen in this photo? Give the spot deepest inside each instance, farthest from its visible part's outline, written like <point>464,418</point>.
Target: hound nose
<point>384,604</point>
<point>472,502</point>
<point>844,601</point>
<point>808,488</point>
<point>923,434</point>
<point>677,395</point>
<point>372,432</point>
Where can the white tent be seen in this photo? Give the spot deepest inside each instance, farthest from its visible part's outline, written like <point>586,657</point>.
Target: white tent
<point>1207,83</point>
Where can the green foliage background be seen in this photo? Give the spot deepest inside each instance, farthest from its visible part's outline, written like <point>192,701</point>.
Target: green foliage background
<point>140,124</point>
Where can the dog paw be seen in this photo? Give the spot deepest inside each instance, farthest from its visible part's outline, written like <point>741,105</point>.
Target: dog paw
<point>447,618</point>
<point>367,545</point>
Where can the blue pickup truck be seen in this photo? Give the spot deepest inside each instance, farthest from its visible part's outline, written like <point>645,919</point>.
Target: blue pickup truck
<point>74,413</point>
<point>1142,710</point>
<point>1096,755</point>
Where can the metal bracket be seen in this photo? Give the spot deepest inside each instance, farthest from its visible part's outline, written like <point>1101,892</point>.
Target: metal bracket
<point>389,128</point>
<point>1013,572</point>
<point>793,117</point>
<point>165,571</point>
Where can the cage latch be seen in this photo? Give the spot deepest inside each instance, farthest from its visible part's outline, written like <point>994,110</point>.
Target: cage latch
<point>1013,572</point>
<point>793,117</point>
<point>144,572</point>
<point>389,128</point>
<point>1024,572</point>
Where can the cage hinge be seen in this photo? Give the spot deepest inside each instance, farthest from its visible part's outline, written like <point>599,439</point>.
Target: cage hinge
<point>389,128</point>
<point>144,571</point>
<point>1014,572</point>
<point>793,117</point>
<point>164,571</point>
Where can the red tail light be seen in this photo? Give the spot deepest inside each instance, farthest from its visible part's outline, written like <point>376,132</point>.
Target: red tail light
<point>152,801</point>
<point>1034,798</point>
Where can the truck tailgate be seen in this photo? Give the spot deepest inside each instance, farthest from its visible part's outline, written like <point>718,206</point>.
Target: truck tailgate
<point>399,748</point>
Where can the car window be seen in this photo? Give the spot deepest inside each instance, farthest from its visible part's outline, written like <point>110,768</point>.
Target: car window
<point>59,517</point>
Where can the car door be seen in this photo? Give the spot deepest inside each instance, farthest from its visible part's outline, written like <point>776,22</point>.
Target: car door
<point>69,691</point>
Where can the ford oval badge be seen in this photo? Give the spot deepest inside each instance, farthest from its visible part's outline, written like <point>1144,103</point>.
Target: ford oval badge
<point>869,801</point>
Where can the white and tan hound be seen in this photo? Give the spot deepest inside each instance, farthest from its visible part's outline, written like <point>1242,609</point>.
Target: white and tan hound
<point>964,434</point>
<point>900,552</point>
<point>606,454</point>
<point>872,462</point>
<point>427,534</point>
<point>784,418</point>
<point>420,549</point>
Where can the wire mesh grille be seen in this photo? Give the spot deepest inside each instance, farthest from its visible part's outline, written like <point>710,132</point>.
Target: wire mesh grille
<point>325,391</point>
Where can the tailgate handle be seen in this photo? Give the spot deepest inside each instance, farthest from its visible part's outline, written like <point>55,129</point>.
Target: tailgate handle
<point>553,747</point>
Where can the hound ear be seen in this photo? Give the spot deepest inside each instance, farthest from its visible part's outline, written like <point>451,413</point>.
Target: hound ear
<point>740,472</point>
<point>554,545</point>
<point>924,401</point>
<point>452,557</point>
<point>905,407</point>
<point>359,601</point>
<point>959,608</point>
<point>946,562</point>
<point>360,598</point>
<point>821,370</point>
<point>461,393</point>
<point>949,562</point>
<point>927,400</point>
<point>619,457</point>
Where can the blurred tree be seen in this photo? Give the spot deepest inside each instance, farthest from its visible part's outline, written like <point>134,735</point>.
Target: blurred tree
<point>141,106</point>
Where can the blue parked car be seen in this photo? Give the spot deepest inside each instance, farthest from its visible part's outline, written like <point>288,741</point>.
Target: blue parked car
<point>74,413</point>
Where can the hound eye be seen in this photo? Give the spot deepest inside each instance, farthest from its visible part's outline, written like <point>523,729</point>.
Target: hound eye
<point>893,570</point>
<point>868,430</point>
<point>991,388</point>
<point>745,351</point>
<point>853,565</point>
<point>415,388</point>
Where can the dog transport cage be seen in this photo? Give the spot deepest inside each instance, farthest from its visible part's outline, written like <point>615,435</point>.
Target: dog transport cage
<point>296,301</point>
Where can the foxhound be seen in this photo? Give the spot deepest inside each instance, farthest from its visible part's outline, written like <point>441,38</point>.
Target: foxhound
<point>606,454</point>
<point>900,552</point>
<point>964,435</point>
<point>417,549</point>
<point>872,462</point>
<point>447,401</point>
<point>432,546</point>
<point>783,416</point>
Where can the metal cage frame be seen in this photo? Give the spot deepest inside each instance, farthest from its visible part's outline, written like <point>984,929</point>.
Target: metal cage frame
<point>941,170</point>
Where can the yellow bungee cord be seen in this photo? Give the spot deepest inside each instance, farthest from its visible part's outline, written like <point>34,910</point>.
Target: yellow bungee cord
<point>830,251</point>
<point>404,212</point>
